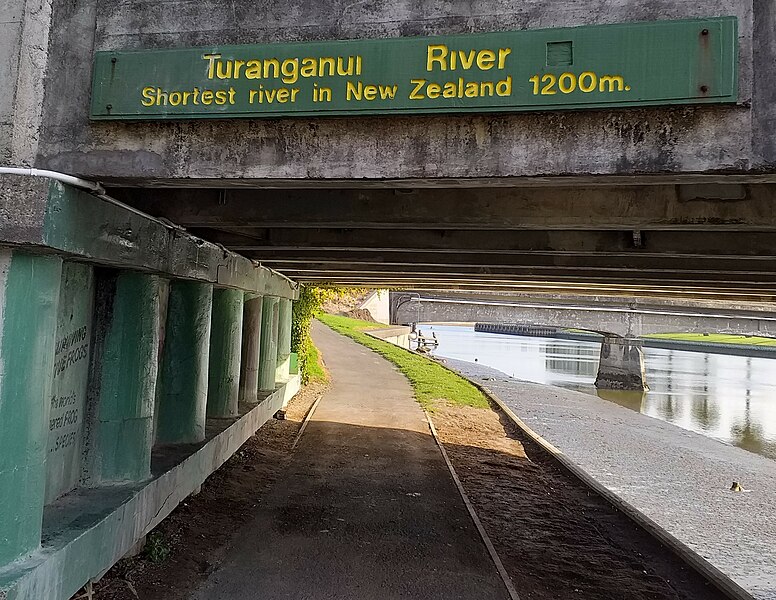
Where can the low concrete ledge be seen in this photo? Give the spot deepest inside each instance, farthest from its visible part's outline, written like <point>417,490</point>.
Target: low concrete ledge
<point>398,336</point>
<point>88,531</point>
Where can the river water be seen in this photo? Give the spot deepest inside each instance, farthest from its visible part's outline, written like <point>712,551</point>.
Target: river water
<point>729,398</point>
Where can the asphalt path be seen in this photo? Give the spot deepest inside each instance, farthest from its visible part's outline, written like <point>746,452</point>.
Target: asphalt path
<point>367,508</point>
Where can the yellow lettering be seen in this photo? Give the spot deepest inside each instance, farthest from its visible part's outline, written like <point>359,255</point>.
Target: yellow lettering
<point>211,65</point>
<point>436,53</point>
<point>502,56</point>
<point>612,82</point>
<point>238,64</point>
<point>388,92</point>
<point>207,97</point>
<point>472,90</point>
<point>252,96</point>
<point>415,93</point>
<point>290,70</point>
<point>487,88</point>
<point>224,69</point>
<point>433,90</point>
<point>486,59</point>
<point>148,95</point>
<point>370,92</point>
<point>504,88</point>
<point>341,70</point>
<point>323,62</point>
<point>253,69</point>
<point>221,97</point>
<point>466,60</point>
<point>275,64</point>
<point>449,91</point>
<point>294,92</point>
<point>283,95</point>
<point>309,67</point>
<point>352,92</point>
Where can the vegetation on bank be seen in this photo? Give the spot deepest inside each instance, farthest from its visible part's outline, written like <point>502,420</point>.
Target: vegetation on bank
<point>314,369</point>
<point>714,338</point>
<point>310,301</point>
<point>430,381</point>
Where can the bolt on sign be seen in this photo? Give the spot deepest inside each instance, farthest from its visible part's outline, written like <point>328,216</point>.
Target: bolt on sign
<point>605,66</point>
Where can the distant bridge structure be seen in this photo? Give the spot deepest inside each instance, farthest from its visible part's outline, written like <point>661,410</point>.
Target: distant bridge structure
<point>622,359</point>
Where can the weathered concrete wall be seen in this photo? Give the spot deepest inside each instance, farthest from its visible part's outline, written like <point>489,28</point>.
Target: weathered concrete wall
<point>636,141</point>
<point>24,37</point>
<point>378,305</point>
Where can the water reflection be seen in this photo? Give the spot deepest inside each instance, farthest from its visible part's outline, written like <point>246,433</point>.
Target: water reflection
<point>730,398</point>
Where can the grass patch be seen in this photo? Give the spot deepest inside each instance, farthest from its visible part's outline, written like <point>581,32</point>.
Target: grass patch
<point>715,338</point>
<point>316,373</point>
<point>430,381</point>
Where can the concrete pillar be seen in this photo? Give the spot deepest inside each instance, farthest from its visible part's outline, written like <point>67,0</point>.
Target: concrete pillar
<point>284,340</point>
<point>125,362</point>
<point>268,355</point>
<point>29,294</point>
<point>251,343</point>
<point>225,347</point>
<point>183,378</point>
<point>622,365</point>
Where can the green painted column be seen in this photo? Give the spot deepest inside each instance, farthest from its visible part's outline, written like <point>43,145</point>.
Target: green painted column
<point>125,360</point>
<point>284,340</point>
<point>225,347</point>
<point>29,286</point>
<point>268,355</point>
<point>184,372</point>
<point>251,343</point>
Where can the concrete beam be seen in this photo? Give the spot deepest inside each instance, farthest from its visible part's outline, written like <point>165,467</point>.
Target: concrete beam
<point>73,223</point>
<point>646,244</point>
<point>626,207</point>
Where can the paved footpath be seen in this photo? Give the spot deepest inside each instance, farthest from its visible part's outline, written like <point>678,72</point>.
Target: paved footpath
<point>678,478</point>
<point>366,510</point>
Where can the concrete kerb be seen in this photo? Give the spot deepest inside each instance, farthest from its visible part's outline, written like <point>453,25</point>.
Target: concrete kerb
<point>721,581</point>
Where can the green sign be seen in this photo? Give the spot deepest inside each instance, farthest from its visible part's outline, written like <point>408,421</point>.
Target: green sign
<point>663,62</point>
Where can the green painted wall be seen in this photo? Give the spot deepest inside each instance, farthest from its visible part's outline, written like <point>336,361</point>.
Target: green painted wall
<point>30,288</point>
<point>70,377</point>
<point>184,373</point>
<point>284,339</point>
<point>225,349</point>
<point>268,354</point>
<point>251,342</point>
<point>125,365</point>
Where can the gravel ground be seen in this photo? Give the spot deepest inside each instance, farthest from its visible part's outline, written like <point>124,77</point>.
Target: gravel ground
<point>678,478</point>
